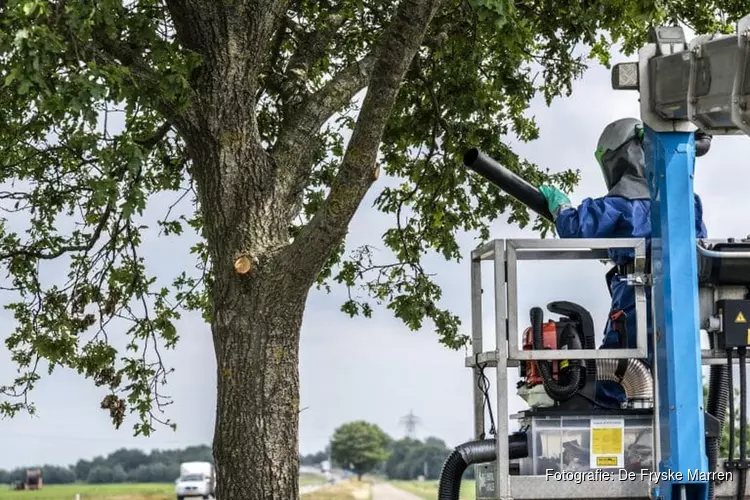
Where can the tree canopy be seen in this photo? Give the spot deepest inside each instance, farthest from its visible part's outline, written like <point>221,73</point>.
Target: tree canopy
<point>360,445</point>
<point>111,105</point>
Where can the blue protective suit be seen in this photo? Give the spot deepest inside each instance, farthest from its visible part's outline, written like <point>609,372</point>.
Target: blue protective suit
<point>618,217</point>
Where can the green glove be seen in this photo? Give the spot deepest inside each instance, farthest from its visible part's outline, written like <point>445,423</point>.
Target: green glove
<point>556,200</point>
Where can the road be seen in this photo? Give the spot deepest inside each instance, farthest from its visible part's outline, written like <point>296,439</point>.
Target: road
<point>384,491</point>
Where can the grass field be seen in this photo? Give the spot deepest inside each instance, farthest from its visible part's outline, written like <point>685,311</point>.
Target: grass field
<point>345,490</point>
<point>153,491</point>
<point>428,489</point>
<point>309,479</point>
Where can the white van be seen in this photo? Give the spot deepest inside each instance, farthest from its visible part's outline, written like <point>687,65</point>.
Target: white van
<point>197,479</point>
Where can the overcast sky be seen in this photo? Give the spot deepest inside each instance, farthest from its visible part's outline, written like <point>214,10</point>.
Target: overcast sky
<point>376,369</point>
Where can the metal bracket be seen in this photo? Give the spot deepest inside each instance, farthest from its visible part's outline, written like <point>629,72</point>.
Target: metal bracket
<point>639,279</point>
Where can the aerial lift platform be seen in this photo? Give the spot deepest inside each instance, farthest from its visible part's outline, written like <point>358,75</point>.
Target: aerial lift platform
<point>663,444</point>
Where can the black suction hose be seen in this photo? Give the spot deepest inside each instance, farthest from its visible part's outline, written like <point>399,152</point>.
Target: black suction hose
<point>718,397</point>
<point>730,378</point>
<point>742,353</point>
<point>508,181</point>
<point>475,452</point>
<point>555,390</point>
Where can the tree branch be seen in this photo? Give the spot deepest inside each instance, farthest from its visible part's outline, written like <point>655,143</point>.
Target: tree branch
<point>54,254</point>
<point>296,143</point>
<point>262,18</point>
<point>115,52</point>
<point>197,23</point>
<point>233,39</point>
<point>310,47</point>
<point>158,135</point>
<point>400,43</point>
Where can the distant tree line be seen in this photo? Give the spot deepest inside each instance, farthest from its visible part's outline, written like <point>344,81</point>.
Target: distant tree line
<point>411,458</point>
<point>121,466</point>
<point>313,458</point>
<point>364,448</point>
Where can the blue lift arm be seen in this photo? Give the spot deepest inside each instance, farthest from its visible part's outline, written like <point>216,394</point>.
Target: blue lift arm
<point>713,94</point>
<point>670,159</point>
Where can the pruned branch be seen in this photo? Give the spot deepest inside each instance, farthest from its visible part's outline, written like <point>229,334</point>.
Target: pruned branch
<point>399,44</point>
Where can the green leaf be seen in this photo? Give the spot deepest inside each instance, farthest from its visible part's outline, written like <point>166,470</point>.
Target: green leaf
<point>29,7</point>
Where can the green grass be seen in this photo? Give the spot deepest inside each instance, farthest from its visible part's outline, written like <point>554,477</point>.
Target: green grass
<point>428,489</point>
<point>310,479</point>
<point>151,491</point>
<point>345,490</point>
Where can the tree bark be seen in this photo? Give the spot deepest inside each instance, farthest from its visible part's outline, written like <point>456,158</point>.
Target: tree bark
<point>256,336</point>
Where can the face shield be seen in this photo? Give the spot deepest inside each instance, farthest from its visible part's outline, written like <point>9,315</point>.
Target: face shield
<point>621,158</point>
<point>626,161</point>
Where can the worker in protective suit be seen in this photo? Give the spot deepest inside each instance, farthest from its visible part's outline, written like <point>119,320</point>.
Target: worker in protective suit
<point>624,212</point>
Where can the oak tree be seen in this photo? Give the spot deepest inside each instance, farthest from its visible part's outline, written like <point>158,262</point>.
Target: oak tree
<point>275,118</point>
<point>361,445</point>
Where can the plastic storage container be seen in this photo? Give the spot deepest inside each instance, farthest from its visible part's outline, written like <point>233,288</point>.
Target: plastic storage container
<point>574,443</point>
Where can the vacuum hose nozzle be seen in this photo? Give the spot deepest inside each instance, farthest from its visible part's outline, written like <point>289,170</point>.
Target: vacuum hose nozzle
<point>475,452</point>
<point>508,181</point>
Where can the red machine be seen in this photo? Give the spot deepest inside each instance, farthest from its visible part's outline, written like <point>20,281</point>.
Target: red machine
<point>530,370</point>
<point>562,379</point>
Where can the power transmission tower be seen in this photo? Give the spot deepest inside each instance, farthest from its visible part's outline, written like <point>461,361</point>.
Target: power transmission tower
<point>410,422</point>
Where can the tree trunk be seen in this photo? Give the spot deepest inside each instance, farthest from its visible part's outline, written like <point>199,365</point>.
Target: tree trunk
<point>256,337</point>
<point>256,319</point>
<point>248,201</point>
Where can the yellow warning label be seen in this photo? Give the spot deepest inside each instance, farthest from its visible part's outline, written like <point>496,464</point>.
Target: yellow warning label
<point>606,461</point>
<point>740,318</point>
<point>748,336</point>
<point>606,441</point>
